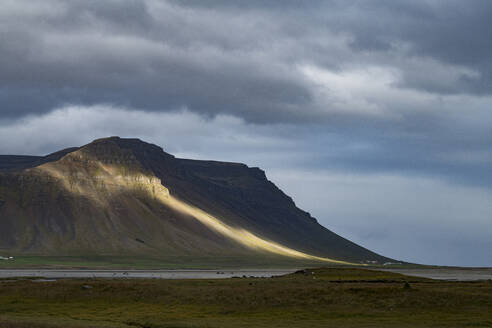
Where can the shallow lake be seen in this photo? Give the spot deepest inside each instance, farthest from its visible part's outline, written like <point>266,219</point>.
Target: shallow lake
<point>451,274</point>
<point>160,274</point>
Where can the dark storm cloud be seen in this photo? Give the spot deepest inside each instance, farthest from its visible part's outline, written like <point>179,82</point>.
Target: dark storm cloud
<point>119,52</point>
<point>231,56</point>
<point>453,32</point>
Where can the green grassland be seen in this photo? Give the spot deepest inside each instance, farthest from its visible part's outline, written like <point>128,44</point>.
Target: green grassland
<point>323,297</point>
<point>126,262</point>
<point>151,263</point>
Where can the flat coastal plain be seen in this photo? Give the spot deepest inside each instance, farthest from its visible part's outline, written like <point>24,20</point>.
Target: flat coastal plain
<point>445,273</point>
<point>321,297</point>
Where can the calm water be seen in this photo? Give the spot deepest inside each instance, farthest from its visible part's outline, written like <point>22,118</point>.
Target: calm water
<point>442,274</point>
<point>161,274</point>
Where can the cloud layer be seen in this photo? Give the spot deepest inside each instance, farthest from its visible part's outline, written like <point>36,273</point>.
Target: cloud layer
<point>393,89</point>
<point>247,60</point>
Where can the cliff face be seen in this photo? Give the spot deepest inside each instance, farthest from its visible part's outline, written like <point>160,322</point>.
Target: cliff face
<point>125,196</point>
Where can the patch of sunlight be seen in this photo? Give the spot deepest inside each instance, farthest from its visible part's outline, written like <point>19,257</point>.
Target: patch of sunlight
<point>242,236</point>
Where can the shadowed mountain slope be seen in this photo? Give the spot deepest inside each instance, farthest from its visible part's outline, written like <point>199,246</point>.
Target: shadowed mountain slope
<point>124,196</point>
<point>19,162</point>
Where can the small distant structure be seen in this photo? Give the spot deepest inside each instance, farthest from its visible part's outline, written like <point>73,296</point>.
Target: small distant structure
<point>392,263</point>
<point>6,258</point>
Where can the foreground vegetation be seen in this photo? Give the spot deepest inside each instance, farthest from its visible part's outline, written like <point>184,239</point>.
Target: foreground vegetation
<point>335,297</point>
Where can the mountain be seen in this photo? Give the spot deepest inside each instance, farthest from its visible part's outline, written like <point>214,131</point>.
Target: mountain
<point>117,196</point>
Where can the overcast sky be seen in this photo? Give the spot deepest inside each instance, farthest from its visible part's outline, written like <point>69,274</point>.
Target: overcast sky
<point>375,116</point>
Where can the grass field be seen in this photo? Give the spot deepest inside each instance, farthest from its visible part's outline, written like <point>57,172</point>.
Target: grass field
<point>169,262</point>
<point>325,298</point>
